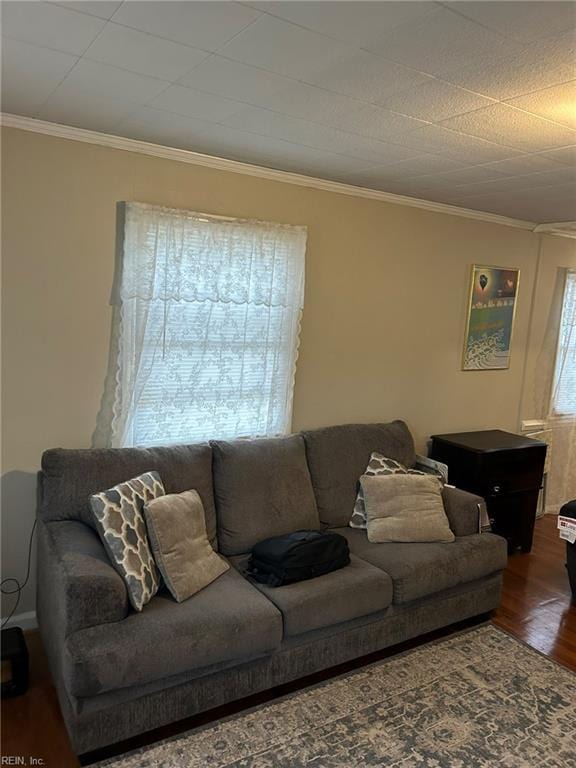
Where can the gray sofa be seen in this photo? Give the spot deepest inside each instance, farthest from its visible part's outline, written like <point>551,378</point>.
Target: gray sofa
<point>119,673</point>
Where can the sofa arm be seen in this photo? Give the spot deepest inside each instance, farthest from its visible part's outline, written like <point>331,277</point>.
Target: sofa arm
<point>77,585</point>
<point>463,510</point>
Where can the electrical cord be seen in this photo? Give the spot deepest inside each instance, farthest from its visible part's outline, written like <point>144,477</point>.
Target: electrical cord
<point>19,585</point>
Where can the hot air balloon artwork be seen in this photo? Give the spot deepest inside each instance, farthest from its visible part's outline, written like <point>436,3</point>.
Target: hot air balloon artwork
<point>492,305</point>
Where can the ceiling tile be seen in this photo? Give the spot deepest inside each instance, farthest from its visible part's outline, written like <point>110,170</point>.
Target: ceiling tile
<point>421,165</point>
<point>205,106</point>
<point>524,21</point>
<point>206,25</point>
<point>435,100</point>
<point>103,9</point>
<point>235,81</point>
<point>471,175</point>
<point>523,164</point>
<point>458,146</point>
<point>30,74</point>
<point>200,136</point>
<point>49,25</point>
<point>505,125</point>
<point>373,121</point>
<point>160,127</point>
<point>557,103</point>
<point>94,111</point>
<point>515,73</point>
<point>440,42</point>
<point>566,155</point>
<point>143,53</point>
<point>93,77</point>
<point>542,205</point>
<point>359,23</point>
<point>515,184</point>
<point>367,77</point>
<point>322,106</point>
<point>298,131</point>
<point>283,48</point>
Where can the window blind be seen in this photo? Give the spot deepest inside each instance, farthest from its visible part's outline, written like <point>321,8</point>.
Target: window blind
<point>209,321</point>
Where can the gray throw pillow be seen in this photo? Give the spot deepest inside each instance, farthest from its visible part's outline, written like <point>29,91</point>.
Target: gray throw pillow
<point>377,466</point>
<point>119,521</point>
<point>405,507</point>
<point>177,529</point>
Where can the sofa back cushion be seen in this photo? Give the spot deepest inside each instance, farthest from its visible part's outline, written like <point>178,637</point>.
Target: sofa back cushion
<point>338,456</point>
<point>262,489</point>
<point>70,476</point>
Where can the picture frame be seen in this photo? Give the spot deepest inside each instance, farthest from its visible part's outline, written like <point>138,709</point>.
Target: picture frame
<point>490,317</point>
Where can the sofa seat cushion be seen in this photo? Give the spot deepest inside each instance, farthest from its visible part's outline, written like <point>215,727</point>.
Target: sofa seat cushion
<point>227,620</point>
<point>337,456</point>
<point>422,569</point>
<point>356,590</point>
<point>262,489</point>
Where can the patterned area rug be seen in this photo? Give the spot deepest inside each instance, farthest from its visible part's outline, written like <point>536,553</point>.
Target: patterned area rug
<point>480,699</point>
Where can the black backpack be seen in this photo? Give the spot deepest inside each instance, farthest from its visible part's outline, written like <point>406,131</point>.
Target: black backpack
<point>297,556</point>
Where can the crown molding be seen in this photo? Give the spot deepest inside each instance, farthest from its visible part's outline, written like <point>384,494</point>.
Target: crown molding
<point>560,229</point>
<point>234,166</point>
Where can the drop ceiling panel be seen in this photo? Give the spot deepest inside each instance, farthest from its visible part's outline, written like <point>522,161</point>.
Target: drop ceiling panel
<point>441,41</point>
<point>233,80</point>
<point>546,62</point>
<point>30,74</point>
<point>92,77</point>
<point>205,25</point>
<point>143,53</point>
<point>283,48</point>
<point>360,23</point>
<point>103,9</point>
<point>298,131</point>
<point>557,103</point>
<point>522,21</point>
<point>93,111</point>
<point>435,100</point>
<point>457,145</point>
<point>50,26</point>
<point>566,155</point>
<point>471,103</point>
<point>367,77</point>
<point>503,124</point>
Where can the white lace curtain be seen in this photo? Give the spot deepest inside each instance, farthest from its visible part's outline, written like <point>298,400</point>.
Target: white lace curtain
<point>562,419</point>
<point>206,335</point>
<point>556,391</point>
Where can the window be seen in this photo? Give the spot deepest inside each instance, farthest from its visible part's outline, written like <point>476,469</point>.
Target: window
<point>208,332</point>
<point>564,391</point>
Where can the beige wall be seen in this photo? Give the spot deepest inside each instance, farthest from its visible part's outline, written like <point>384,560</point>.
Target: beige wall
<point>382,333</point>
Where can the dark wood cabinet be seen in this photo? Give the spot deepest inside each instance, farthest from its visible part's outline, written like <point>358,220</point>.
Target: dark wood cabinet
<point>505,469</point>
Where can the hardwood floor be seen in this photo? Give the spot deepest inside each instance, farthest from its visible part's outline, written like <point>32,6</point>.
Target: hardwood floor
<point>536,607</point>
<point>536,601</point>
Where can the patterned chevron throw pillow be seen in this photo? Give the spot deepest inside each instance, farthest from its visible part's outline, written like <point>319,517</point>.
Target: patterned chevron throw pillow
<point>120,523</point>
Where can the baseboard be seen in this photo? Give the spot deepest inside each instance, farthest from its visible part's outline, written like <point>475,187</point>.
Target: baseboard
<point>25,620</point>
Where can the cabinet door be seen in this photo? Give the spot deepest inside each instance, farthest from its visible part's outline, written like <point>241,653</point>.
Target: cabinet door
<point>512,516</point>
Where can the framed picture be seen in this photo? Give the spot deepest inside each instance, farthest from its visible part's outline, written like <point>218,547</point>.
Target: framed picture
<point>491,309</point>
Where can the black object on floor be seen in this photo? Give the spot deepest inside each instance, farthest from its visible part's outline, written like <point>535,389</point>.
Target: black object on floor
<point>569,510</point>
<point>297,556</point>
<point>14,662</point>
<point>505,469</point>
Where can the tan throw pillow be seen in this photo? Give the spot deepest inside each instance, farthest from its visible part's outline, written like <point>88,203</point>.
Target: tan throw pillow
<point>405,508</point>
<point>378,465</point>
<point>177,531</point>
